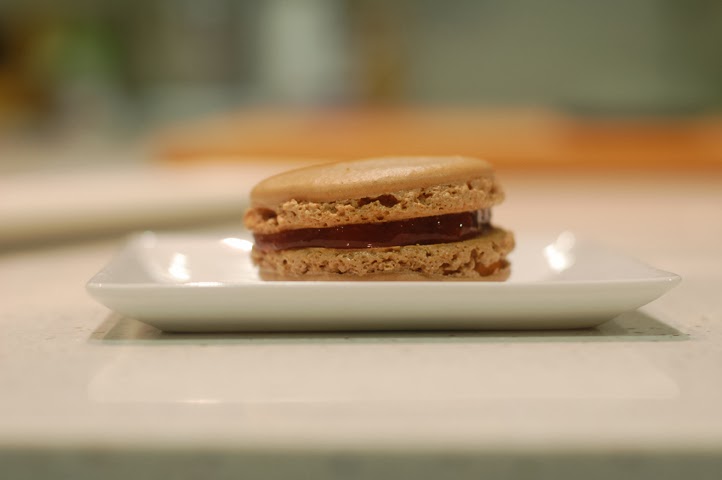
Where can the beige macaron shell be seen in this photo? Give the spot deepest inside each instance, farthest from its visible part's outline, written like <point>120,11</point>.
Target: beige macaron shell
<point>364,178</point>
<point>446,261</point>
<point>464,196</point>
<point>500,275</point>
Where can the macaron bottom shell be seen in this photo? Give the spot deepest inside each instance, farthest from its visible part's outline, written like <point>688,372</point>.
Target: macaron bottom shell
<point>480,258</point>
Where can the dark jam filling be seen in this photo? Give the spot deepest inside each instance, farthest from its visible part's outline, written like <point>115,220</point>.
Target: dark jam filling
<point>415,231</point>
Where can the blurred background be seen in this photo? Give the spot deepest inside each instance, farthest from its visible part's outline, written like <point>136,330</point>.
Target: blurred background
<point>583,85</point>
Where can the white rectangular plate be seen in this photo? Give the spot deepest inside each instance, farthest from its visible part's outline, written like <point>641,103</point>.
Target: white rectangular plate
<point>203,283</point>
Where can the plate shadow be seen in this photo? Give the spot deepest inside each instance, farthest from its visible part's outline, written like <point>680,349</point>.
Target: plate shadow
<point>630,326</point>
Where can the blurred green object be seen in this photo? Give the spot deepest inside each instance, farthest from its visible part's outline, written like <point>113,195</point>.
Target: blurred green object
<point>81,49</point>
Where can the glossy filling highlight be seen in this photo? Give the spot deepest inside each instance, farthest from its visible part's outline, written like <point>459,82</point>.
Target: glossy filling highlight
<point>454,227</point>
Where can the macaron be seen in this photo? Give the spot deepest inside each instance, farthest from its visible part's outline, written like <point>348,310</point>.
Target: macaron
<point>395,218</point>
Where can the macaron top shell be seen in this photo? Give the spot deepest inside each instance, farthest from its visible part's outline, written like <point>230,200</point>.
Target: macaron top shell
<point>364,178</point>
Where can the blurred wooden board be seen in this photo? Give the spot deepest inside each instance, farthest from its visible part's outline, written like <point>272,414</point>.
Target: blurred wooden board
<point>511,139</point>
<point>41,207</point>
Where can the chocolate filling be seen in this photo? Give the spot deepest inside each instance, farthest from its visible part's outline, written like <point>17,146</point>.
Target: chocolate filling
<point>414,231</point>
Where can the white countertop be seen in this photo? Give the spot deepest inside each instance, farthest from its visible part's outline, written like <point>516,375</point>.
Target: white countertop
<point>83,392</point>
